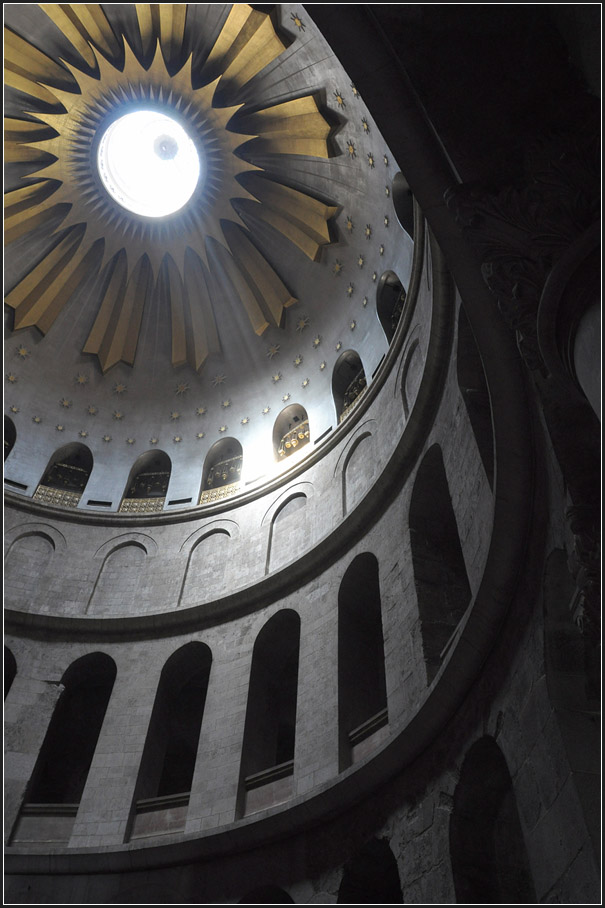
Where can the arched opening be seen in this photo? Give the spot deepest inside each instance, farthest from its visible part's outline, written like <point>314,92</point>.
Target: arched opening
<point>10,436</point>
<point>290,431</point>
<point>442,585</point>
<point>120,580</point>
<point>487,850</point>
<point>267,895</point>
<point>348,383</point>
<point>25,566</point>
<point>170,752</point>
<point>287,532</point>
<point>205,572</point>
<point>362,694</point>
<point>270,728</point>
<point>66,476</point>
<point>371,877</point>
<point>10,670</point>
<point>403,203</point>
<point>390,301</point>
<point>473,387</point>
<point>57,782</point>
<point>147,484</point>
<point>222,470</point>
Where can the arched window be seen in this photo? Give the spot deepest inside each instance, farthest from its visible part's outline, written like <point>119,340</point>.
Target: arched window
<point>487,849</point>
<point>403,203</point>
<point>390,300</point>
<point>362,695</point>
<point>62,766</point>
<point>222,470</point>
<point>10,670</point>
<point>269,732</point>
<point>170,752</point>
<point>290,432</point>
<point>147,484</point>
<point>473,387</point>
<point>440,576</point>
<point>10,436</point>
<point>371,877</point>
<point>348,382</point>
<point>66,476</point>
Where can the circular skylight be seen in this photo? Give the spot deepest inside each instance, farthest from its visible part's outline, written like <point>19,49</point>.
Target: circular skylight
<point>148,163</point>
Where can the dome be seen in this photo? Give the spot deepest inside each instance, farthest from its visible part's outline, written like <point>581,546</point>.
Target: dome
<point>302,454</point>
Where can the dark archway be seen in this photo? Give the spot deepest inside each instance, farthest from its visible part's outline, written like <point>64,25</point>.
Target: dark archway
<point>390,302</point>
<point>66,475</point>
<point>371,877</point>
<point>10,436</point>
<point>222,471</point>
<point>489,858</point>
<point>473,387</point>
<point>147,483</point>
<point>442,585</point>
<point>291,431</point>
<point>62,766</point>
<point>362,694</point>
<point>348,382</point>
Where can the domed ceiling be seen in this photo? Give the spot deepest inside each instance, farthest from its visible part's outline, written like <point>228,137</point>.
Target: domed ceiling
<point>127,331</point>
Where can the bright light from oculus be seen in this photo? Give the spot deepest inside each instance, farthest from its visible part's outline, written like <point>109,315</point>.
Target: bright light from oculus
<point>148,163</point>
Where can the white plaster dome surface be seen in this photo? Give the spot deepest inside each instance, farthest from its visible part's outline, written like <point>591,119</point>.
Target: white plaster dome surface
<point>148,163</point>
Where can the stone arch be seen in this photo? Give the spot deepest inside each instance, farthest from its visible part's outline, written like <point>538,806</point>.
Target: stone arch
<point>362,694</point>
<point>371,877</point>
<point>205,570</point>
<point>26,563</point>
<point>147,483</point>
<point>170,752</point>
<point>291,431</point>
<point>66,754</point>
<point>357,466</point>
<point>15,533</point>
<point>267,761</point>
<point>222,471</point>
<point>348,382</point>
<point>119,577</point>
<point>409,373</point>
<point>390,303</point>
<point>10,436</point>
<point>10,670</point>
<point>290,535</point>
<point>473,388</point>
<point>487,849</point>
<point>66,476</point>
<point>442,584</point>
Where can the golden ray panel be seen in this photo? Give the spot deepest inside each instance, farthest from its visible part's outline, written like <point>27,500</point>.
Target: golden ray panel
<point>117,73</point>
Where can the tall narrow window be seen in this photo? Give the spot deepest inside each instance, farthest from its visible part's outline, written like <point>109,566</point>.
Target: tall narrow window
<point>222,472</point>
<point>348,383</point>
<point>371,877</point>
<point>147,484</point>
<point>473,387</point>
<point>390,300</point>
<point>10,436</point>
<point>440,574</point>
<point>269,734</point>
<point>487,849</point>
<point>170,752</point>
<point>362,695</point>
<point>290,432</point>
<point>66,476</point>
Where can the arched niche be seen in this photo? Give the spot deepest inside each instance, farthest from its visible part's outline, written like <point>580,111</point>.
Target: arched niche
<point>66,475</point>
<point>147,483</point>
<point>170,752</point>
<point>390,302</point>
<point>10,436</point>
<point>440,576</point>
<point>64,761</point>
<point>267,761</point>
<point>205,571</point>
<point>362,694</point>
<point>286,532</point>
<point>10,670</point>
<point>371,877</point>
<point>290,431</point>
<point>403,203</point>
<point>487,849</point>
<point>119,580</point>
<point>473,387</point>
<point>348,382</point>
<point>267,895</point>
<point>25,565</point>
<point>222,471</point>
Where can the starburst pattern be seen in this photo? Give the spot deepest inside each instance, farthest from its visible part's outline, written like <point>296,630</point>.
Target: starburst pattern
<point>175,415</point>
<point>365,125</point>
<point>276,377</point>
<point>91,410</point>
<point>200,435</point>
<point>13,409</point>
<point>60,428</point>
<point>385,158</point>
<point>386,220</point>
<point>273,350</point>
<point>219,380</point>
<point>37,420</point>
<point>11,378</point>
<point>119,388</point>
<point>351,149</point>
<point>339,99</point>
<point>322,366</point>
<point>360,260</point>
<point>298,360</point>
<point>338,346</point>
<point>353,325</point>
<point>83,433</point>
<point>381,249</point>
<point>181,388</point>
<point>317,341</point>
<point>225,404</point>
<point>153,441</point>
<point>368,231</point>
<point>286,398</point>
<point>64,402</point>
<point>302,323</point>
<point>387,191</point>
<point>350,290</point>
<point>200,411</point>
<point>306,382</point>
<point>130,441</point>
<point>222,428</point>
<point>81,379</point>
<point>355,91</point>
<point>349,224</point>
<point>23,352</point>
<point>266,410</point>
<point>118,415</point>
<point>298,22</point>
<point>338,266</point>
<point>177,439</point>
<point>364,302</point>
<point>371,160</point>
